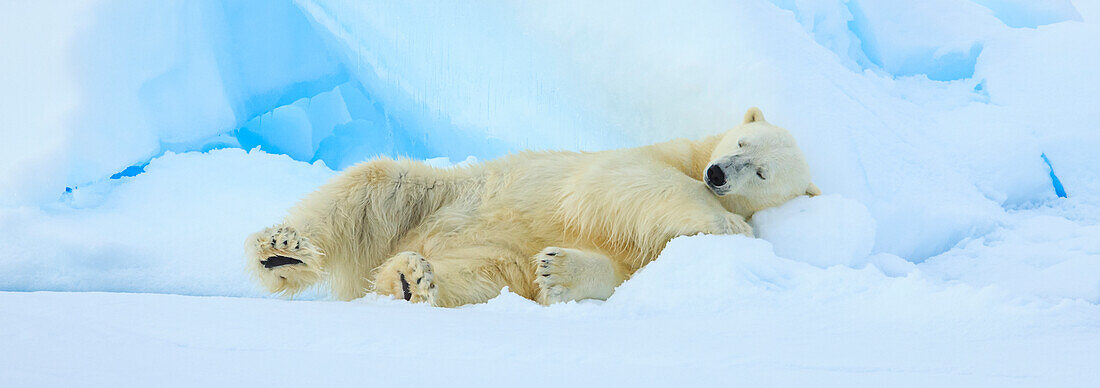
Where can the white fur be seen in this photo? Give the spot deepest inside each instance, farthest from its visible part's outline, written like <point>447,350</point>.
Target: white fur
<point>485,226</point>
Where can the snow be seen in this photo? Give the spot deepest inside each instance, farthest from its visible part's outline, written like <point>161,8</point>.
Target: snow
<point>954,139</point>
<point>32,120</point>
<point>823,231</point>
<point>1035,255</point>
<point>1031,13</point>
<point>177,228</point>
<point>696,315</point>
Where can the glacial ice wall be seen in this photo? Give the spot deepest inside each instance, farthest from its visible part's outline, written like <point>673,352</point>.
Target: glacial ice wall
<point>932,114</point>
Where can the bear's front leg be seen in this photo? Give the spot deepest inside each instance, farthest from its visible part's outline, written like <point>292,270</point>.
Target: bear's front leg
<point>691,208</point>
<point>564,274</point>
<point>728,223</point>
<point>283,259</point>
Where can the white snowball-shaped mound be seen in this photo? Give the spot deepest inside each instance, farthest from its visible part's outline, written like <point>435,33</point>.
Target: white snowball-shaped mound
<point>708,273</point>
<point>823,231</point>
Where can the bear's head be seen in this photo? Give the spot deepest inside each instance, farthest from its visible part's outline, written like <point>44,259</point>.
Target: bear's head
<point>758,165</point>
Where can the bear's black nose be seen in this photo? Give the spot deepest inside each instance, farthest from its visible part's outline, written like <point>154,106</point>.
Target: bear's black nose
<point>715,176</point>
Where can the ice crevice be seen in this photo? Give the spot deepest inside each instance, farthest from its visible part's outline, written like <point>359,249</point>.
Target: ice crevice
<point>1059,190</point>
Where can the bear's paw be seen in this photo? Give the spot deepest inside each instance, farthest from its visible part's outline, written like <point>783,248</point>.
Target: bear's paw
<point>408,276</point>
<point>284,260</point>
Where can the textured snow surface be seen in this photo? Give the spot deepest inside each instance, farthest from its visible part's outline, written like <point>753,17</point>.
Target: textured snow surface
<point>140,142</point>
<point>177,228</point>
<point>695,315</point>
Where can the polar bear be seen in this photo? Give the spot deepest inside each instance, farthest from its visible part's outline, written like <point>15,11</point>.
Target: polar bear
<point>552,226</point>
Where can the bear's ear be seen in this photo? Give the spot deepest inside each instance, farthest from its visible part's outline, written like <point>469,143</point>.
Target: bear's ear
<point>813,191</point>
<point>753,115</point>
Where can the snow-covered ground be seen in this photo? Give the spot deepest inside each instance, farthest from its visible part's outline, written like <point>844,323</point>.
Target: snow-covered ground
<point>958,242</point>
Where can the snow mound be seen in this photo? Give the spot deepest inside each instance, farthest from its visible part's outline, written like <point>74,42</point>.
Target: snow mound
<point>177,228</point>
<point>712,272</point>
<point>823,231</point>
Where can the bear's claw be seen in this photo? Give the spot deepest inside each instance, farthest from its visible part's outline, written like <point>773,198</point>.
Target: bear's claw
<point>405,288</point>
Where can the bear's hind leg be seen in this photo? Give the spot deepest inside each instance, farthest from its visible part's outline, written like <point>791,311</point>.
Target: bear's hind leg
<point>457,277</point>
<point>564,274</point>
<point>407,276</point>
<point>283,260</point>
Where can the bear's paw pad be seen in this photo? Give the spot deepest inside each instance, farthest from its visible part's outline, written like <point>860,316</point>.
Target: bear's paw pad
<point>278,261</point>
